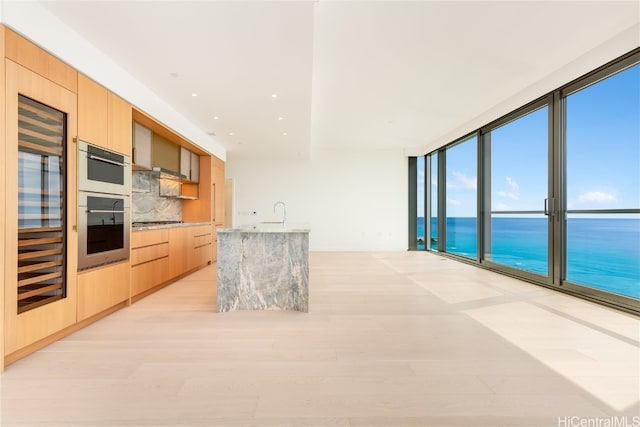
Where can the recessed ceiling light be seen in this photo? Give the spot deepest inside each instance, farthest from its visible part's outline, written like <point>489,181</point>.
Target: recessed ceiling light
<point>280,118</point>
<point>231,133</point>
<point>274,95</point>
<point>284,133</point>
<point>194,94</point>
<point>215,117</point>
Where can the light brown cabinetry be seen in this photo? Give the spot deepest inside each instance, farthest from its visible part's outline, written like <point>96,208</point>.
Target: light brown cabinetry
<point>141,147</point>
<point>104,119</point>
<point>28,328</point>
<point>160,256</point>
<point>149,260</point>
<point>164,153</point>
<point>189,248</point>
<point>189,165</point>
<point>92,112</point>
<point>119,124</point>
<point>217,191</point>
<point>102,288</point>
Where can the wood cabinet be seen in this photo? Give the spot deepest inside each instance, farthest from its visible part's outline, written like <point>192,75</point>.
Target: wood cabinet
<point>104,119</point>
<point>92,112</point>
<point>189,164</point>
<point>119,124</point>
<point>141,147</point>
<point>149,260</point>
<point>30,327</point>
<point>164,153</point>
<point>102,288</point>
<point>189,248</point>
<point>160,256</point>
<point>217,191</point>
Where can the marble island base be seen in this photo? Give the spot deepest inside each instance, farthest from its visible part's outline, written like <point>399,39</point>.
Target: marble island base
<point>263,268</point>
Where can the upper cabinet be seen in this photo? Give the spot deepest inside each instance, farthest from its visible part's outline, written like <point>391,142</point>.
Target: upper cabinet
<point>189,165</point>
<point>104,119</point>
<point>119,124</point>
<point>164,153</point>
<point>92,112</point>
<point>141,146</point>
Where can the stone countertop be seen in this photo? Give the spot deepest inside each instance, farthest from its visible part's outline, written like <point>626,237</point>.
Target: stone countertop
<point>172,225</point>
<point>267,227</point>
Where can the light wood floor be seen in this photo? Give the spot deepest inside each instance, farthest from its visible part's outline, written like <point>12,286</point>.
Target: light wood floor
<point>391,339</point>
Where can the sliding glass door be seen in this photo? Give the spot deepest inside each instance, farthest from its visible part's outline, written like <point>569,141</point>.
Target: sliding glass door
<point>461,198</point>
<point>602,144</point>
<point>517,215</point>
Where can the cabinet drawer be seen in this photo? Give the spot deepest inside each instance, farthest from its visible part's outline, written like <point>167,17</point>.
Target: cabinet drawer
<point>149,275</point>
<point>149,253</point>
<point>149,237</point>
<point>102,288</point>
<point>202,240</point>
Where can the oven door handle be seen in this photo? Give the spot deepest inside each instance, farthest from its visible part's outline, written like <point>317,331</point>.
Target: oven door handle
<point>102,159</point>
<point>103,211</point>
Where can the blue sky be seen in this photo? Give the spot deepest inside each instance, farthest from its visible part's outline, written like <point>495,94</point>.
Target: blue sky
<point>602,151</point>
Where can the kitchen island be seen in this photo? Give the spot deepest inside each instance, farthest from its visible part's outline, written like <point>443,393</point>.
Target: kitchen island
<point>263,267</point>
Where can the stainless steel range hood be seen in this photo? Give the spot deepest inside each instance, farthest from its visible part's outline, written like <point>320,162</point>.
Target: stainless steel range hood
<point>168,174</point>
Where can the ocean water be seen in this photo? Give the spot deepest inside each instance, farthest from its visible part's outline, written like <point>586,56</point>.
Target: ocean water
<point>602,253</point>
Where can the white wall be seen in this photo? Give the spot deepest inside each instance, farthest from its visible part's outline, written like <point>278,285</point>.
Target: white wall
<point>36,23</point>
<point>351,200</point>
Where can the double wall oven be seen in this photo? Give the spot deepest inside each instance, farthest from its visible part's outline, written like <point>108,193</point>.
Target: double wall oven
<point>104,184</point>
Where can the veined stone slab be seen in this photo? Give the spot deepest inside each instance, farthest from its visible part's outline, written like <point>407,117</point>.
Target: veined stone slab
<point>263,268</point>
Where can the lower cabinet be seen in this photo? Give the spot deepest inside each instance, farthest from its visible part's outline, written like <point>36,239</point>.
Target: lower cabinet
<point>102,288</point>
<point>149,259</point>
<point>159,256</point>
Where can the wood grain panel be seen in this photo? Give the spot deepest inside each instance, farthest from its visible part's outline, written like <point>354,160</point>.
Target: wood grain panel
<point>200,210</point>
<point>102,288</point>
<point>2,195</point>
<point>179,248</point>
<point>217,191</point>
<point>149,237</point>
<point>149,253</point>
<point>92,112</point>
<point>27,54</point>
<point>32,326</point>
<point>149,275</point>
<point>120,125</point>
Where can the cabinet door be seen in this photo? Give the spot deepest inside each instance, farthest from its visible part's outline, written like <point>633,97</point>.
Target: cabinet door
<point>142,145</point>
<point>102,288</point>
<point>28,327</point>
<point>195,167</point>
<point>92,112</point>
<point>185,162</point>
<point>165,154</point>
<point>218,194</point>
<point>119,124</point>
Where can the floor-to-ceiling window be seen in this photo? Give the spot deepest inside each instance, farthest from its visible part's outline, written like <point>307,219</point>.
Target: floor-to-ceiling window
<point>602,143</point>
<point>432,202</point>
<point>420,224</point>
<point>461,198</point>
<point>554,196</point>
<point>516,226</point>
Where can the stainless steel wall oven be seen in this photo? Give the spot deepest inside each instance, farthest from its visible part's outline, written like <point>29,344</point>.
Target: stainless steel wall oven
<point>103,171</point>
<point>104,223</point>
<point>103,229</point>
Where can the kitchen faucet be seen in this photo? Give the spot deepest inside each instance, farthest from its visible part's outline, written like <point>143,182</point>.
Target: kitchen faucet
<point>284,212</point>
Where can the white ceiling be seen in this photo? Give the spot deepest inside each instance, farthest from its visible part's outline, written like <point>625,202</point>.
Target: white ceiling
<point>348,75</point>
